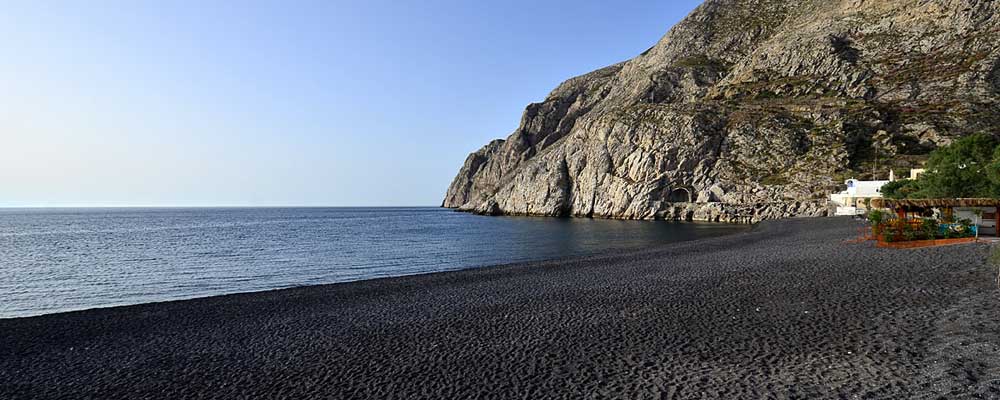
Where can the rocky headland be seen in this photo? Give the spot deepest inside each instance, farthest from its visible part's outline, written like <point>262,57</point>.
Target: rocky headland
<point>749,110</point>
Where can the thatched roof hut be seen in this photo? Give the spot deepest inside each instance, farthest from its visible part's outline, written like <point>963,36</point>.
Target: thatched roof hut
<point>988,218</point>
<point>934,203</point>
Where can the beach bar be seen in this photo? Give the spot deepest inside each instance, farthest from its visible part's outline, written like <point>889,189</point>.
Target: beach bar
<point>954,209</point>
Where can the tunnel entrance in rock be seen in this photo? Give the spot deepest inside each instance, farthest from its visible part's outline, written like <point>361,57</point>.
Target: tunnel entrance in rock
<point>680,195</point>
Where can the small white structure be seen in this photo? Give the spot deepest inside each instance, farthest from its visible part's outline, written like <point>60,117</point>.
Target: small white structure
<point>854,200</point>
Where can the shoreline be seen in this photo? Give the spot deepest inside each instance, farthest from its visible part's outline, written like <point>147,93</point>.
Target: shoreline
<point>743,229</point>
<point>784,309</point>
<point>698,212</point>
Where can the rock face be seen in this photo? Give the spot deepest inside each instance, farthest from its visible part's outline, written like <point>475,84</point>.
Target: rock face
<point>749,110</point>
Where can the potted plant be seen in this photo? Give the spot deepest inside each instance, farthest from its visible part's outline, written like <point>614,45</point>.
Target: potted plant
<point>888,237</point>
<point>876,218</point>
<point>930,228</point>
<point>966,228</point>
<point>909,234</point>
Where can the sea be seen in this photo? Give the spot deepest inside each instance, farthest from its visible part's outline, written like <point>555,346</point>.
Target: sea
<point>59,259</point>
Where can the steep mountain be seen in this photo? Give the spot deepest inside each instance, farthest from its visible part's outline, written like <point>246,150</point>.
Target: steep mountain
<point>749,110</point>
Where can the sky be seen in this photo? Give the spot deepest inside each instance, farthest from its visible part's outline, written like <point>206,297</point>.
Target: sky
<point>283,103</point>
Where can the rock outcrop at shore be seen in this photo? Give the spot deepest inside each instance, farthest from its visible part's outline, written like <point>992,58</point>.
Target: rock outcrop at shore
<point>749,110</point>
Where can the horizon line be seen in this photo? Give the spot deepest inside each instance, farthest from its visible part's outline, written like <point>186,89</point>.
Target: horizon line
<point>212,206</point>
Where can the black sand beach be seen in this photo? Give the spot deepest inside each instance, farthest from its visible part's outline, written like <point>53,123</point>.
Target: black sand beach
<point>787,310</point>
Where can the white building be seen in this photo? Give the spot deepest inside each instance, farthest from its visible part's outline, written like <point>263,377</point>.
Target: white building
<point>854,200</point>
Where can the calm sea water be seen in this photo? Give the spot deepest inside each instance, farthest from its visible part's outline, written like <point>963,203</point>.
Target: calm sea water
<point>54,260</point>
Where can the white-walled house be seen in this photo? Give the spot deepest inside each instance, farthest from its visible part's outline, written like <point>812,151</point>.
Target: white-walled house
<point>854,200</point>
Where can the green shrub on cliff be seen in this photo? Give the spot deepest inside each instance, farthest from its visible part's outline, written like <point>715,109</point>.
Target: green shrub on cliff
<point>969,167</point>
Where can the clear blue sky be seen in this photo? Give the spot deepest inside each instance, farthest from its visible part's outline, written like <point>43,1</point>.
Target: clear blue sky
<point>326,103</point>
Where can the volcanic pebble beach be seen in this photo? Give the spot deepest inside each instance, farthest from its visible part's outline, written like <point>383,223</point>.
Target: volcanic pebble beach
<point>789,309</point>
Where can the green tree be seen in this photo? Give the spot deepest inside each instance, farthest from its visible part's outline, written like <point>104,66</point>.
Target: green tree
<point>963,169</point>
<point>993,169</point>
<point>900,189</point>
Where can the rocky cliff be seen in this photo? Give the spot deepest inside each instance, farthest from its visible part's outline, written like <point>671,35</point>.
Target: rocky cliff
<point>749,110</point>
